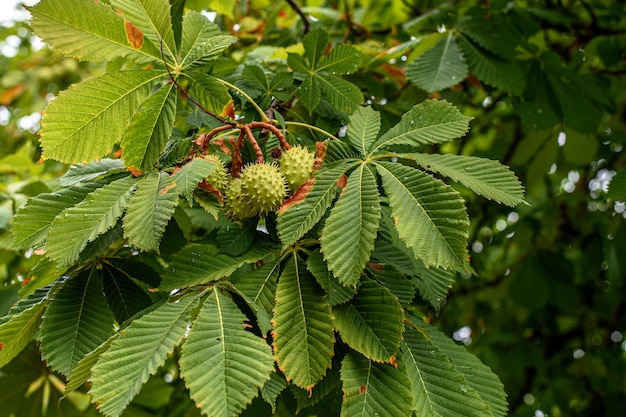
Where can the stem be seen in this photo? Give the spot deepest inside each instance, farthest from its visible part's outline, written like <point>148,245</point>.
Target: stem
<point>254,143</point>
<point>311,127</point>
<point>296,8</point>
<point>269,126</point>
<point>247,97</point>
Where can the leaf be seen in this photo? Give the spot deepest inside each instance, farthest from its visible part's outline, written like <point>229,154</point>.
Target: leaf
<point>88,30</point>
<point>197,29</point>
<point>430,216</point>
<point>192,173</point>
<point>492,70</point>
<point>76,226</point>
<point>372,322</point>
<point>374,389</point>
<point>223,364</point>
<point>237,238</point>
<point>483,176</point>
<point>439,389</point>
<point>477,374</point>
<point>395,281</point>
<point>124,297</point>
<point>433,284</point>
<point>21,325</point>
<point>315,43</point>
<point>272,389</point>
<point>363,128</point>
<point>617,186</point>
<point>82,371</point>
<point>349,232</point>
<point>492,32</point>
<point>153,18</point>
<point>32,222</point>
<point>209,91</point>
<point>151,127</point>
<point>427,123</point>
<point>209,50</point>
<point>199,264</point>
<point>303,330</point>
<point>78,174</point>
<point>97,108</point>
<point>149,210</point>
<point>341,94</point>
<point>259,285</point>
<point>343,59</point>
<point>337,293</point>
<point>328,386</point>
<point>137,353</point>
<point>77,321</point>
<point>298,217</point>
<point>440,67</point>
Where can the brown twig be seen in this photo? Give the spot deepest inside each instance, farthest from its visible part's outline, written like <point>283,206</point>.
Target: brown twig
<point>255,145</point>
<point>305,21</point>
<point>274,130</point>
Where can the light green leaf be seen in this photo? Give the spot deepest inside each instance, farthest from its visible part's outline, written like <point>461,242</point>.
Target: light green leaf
<point>429,122</point>
<point>137,353</point>
<point>192,173</point>
<point>492,70</point>
<point>483,176</point>
<point>303,329</point>
<point>77,321</point>
<point>78,174</point>
<point>341,60</point>
<point>430,216</point>
<point>478,375</point>
<point>85,121</point>
<point>337,293</point>
<point>76,226</point>
<point>223,364</point>
<point>32,222</point>
<point>149,130</point>
<point>374,389</point>
<point>149,211</point>
<point>438,388</point>
<point>209,50</point>
<point>310,93</point>
<point>88,30</point>
<point>440,67</point>
<point>199,264</point>
<point>363,128</point>
<point>209,92</point>
<point>259,285</point>
<point>315,43</point>
<point>296,217</point>
<point>225,7</point>
<point>197,29</point>
<point>22,324</point>
<point>433,284</point>
<point>348,236</point>
<point>343,95</point>
<point>372,322</point>
<point>153,18</point>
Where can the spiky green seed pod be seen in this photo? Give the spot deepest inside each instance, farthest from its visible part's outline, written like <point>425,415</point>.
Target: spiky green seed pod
<point>219,177</point>
<point>264,185</point>
<point>236,204</point>
<point>296,164</point>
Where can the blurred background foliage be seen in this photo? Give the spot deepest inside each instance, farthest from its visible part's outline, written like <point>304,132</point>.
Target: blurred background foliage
<point>545,82</point>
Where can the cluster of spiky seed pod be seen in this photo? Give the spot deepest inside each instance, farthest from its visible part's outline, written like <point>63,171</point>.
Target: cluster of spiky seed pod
<point>262,187</point>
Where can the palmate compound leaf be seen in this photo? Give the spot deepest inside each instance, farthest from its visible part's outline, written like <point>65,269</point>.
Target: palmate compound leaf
<point>223,364</point>
<point>347,239</point>
<point>371,322</point>
<point>440,67</point>
<point>76,322</point>
<point>303,328</point>
<point>149,210</point>
<point>374,389</point>
<point>446,379</point>
<point>363,128</point>
<point>32,222</point>
<point>200,264</point>
<point>303,210</point>
<point>90,31</point>
<point>21,324</point>
<point>145,137</point>
<point>478,375</point>
<point>196,30</point>
<point>429,122</point>
<point>153,19</point>
<point>76,226</point>
<point>85,121</point>
<point>483,176</point>
<point>430,217</point>
<point>137,353</point>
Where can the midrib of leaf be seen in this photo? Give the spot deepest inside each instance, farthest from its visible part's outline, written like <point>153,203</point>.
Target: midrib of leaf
<point>440,67</point>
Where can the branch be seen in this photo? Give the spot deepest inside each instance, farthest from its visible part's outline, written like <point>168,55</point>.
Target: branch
<point>296,8</point>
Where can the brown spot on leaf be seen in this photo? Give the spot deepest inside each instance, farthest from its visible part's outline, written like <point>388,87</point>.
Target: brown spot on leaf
<point>320,151</point>
<point>133,34</point>
<point>394,361</point>
<point>27,281</point>
<point>342,181</point>
<point>378,267</point>
<point>229,110</point>
<point>363,389</point>
<point>299,196</point>
<point>135,172</point>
